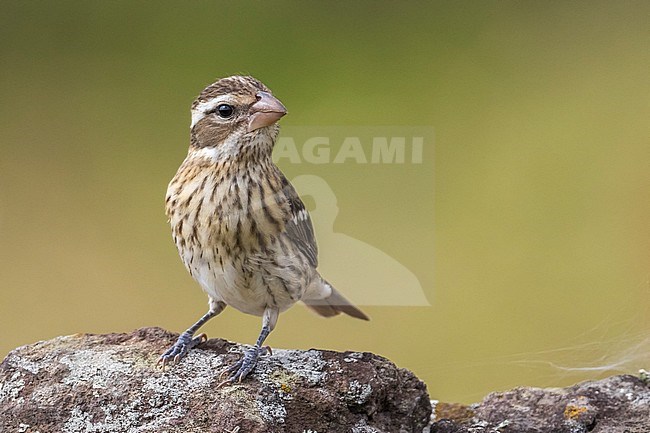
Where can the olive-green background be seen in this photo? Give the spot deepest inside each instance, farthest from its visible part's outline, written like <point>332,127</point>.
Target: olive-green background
<point>527,224</point>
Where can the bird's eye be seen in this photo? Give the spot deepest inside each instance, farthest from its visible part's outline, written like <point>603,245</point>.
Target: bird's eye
<point>225,111</point>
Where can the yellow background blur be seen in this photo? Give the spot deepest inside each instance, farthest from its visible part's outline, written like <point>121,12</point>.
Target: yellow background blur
<point>527,223</point>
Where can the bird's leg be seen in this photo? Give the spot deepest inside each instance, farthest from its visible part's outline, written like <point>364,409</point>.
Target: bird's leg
<point>186,340</point>
<point>238,371</point>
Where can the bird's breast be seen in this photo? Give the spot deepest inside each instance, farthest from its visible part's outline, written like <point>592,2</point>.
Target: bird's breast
<point>228,225</point>
<point>224,210</point>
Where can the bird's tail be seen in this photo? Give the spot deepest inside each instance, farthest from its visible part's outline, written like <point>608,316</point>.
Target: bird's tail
<point>325,300</point>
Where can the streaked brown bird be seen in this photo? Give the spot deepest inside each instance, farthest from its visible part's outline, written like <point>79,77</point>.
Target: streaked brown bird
<point>240,227</point>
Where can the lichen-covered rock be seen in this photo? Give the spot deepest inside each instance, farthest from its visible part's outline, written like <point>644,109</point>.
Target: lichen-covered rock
<point>110,383</point>
<point>618,404</point>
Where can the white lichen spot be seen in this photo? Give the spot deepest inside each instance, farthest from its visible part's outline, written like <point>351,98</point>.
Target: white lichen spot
<point>309,365</point>
<point>198,372</point>
<point>24,363</point>
<point>167,394</point>
<point>10,389</point>
<point>432,418</point>
<point>115,420</point>
<point>120,419</point>
<point>78,421</point>
<point>353,357</point>
<point>363,427</point>
<point>106,368</point>
<point>358,393</point>
<point>170,392</point>
<point>272,410</point>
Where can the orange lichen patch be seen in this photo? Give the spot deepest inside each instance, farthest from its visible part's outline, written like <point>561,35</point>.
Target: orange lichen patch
<point>453,411</point>
<point>573,412</point>
<point>285,388</point>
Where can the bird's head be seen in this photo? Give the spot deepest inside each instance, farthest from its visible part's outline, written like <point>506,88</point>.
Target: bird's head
<point>233,108</point>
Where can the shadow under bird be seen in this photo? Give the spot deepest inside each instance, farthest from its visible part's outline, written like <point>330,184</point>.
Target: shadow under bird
<point>240,227</point>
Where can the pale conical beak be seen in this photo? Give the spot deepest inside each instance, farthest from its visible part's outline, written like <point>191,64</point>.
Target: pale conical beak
<point>265,112</point>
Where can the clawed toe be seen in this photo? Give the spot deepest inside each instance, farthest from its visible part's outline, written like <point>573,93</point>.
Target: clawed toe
<point>180,348</point>
<point>242,368</point>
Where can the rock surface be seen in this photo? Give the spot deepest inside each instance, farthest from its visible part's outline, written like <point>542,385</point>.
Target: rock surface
<point>110,383</point>
<point>618,404</point>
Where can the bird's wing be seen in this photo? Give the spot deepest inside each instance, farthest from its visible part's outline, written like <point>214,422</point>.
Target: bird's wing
<point>298,225</point>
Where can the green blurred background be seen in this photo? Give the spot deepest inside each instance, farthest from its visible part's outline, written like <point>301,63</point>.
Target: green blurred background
<point>526,224</point>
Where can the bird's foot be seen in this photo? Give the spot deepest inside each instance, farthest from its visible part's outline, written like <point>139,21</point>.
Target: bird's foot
<point>182,346</point>
<point>239,370</point>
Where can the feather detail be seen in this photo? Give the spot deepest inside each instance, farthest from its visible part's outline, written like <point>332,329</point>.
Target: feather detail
<point>326,301</point>
<point>299,227</point>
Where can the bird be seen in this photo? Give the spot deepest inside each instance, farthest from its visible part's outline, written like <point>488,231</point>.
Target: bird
<point>240,227</point>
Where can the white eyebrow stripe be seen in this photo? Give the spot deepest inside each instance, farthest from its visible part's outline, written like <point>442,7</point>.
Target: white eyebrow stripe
<point>201,109</point>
